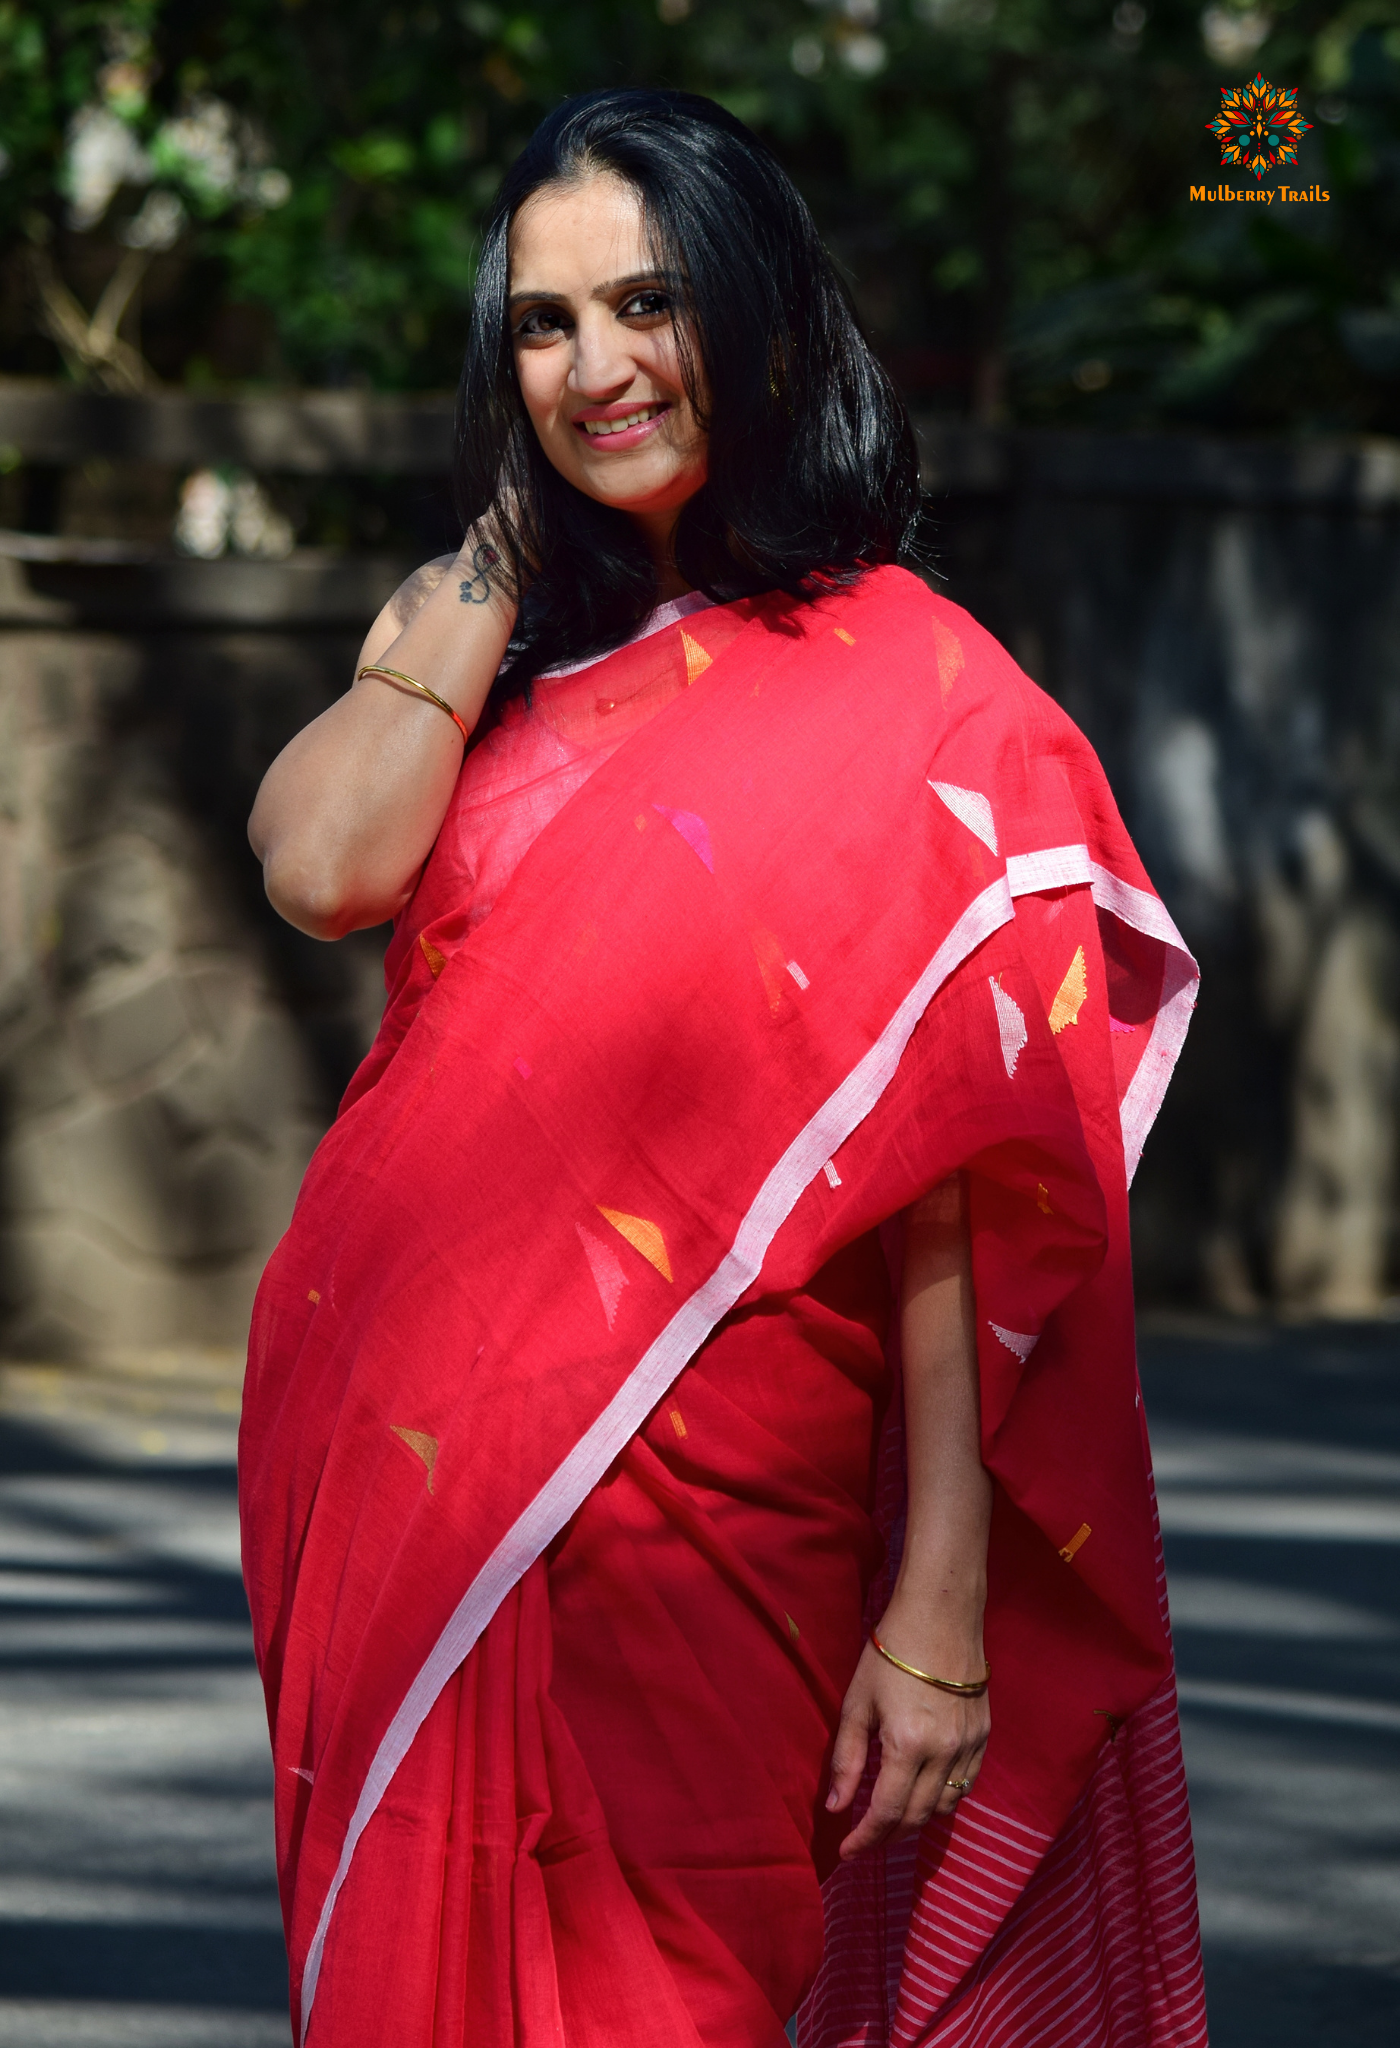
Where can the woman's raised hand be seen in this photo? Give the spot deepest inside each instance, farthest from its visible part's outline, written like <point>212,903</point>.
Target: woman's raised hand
<point>348,812</point>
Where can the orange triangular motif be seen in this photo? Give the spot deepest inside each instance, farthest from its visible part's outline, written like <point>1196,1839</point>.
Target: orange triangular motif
<point>1073,994</point>
<point>436,961</point>
<point>696,659</point>
<point>948,653</point>
<point>643,1237</point>
<point>422,1446</point>
<point>772,964</point>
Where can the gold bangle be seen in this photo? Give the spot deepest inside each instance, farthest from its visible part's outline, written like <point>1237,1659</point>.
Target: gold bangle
<point>376,668</point>
<point>972,1689</point>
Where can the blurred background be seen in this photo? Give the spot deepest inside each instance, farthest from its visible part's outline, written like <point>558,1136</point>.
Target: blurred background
<point>1161,437</point>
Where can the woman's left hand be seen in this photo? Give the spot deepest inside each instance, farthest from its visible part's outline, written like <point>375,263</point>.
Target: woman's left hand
<point>927,1739</point>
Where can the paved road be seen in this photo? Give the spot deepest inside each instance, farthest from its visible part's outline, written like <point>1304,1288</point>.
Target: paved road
<point>1278,1469</point>
<point>137,1906</point>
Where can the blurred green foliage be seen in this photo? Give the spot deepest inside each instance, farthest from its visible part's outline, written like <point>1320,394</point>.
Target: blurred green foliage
<point>289,190</point>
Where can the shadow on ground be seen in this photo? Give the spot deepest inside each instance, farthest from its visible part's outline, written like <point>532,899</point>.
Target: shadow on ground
<point>137,1899</point>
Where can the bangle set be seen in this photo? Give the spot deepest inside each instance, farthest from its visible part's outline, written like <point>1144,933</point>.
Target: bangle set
<point>377,668</point>
<point>972,1689</point>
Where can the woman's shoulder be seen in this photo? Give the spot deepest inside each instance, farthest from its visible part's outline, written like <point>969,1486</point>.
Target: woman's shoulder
<point>903,610</point>
<point>933,651</point>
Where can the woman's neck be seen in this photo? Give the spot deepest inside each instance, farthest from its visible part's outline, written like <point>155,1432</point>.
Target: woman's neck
<point>658,530</point>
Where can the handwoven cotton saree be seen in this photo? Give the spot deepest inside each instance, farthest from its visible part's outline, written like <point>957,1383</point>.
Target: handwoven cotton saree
<point>565,1384</point>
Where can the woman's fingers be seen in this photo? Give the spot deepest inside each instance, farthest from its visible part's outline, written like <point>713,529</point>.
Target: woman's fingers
<point>850,1751</point>
<point>907,1795</point>
<point>889,1803</point>
<point>958,1780</point>
<point>927,1749</point>
<point>916,1759</point>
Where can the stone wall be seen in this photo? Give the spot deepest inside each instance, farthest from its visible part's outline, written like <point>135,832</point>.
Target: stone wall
<point>1224,623</point>
<point>169,1053</point>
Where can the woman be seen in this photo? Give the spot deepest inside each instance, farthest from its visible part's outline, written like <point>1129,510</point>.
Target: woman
<point>706,1334</point>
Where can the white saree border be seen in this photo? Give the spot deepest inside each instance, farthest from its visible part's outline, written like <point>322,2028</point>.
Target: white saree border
<point>574,1479</point>
<point>1070,867</point>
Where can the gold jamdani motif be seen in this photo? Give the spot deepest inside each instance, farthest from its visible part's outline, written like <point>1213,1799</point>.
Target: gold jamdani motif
<point>643,1236</point>
<point>421,1444</point>
<point>772,965</point>
<point>436,961</point>
<point>678,1422</point>
<point>696,659</point>
<point>948,653</point>
<point>1076,1542</point>
<point>1073,994</point>
<point>842,634</point>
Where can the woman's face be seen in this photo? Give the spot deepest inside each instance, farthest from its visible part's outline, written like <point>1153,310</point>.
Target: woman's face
<point>595,352</point>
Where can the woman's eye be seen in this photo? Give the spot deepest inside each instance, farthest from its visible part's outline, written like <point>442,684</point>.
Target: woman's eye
<point>542,324</point>
<point>646,306</point>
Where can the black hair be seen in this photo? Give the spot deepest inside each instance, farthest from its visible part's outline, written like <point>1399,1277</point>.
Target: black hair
<point>812,463</point>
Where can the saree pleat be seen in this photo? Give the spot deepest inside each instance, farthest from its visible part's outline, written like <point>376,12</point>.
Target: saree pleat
<point>617,1798</point>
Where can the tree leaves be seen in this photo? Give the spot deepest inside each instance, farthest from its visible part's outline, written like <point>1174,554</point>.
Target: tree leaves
<point>1005,182</point>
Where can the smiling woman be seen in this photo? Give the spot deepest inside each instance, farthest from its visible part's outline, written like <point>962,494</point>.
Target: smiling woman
<point>705,1337</point>
<point>659,261</point>
<point>598,359</point>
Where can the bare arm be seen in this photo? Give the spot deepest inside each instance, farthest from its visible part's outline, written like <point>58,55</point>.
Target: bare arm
<point>934,1619</point>
<point>349,810</point>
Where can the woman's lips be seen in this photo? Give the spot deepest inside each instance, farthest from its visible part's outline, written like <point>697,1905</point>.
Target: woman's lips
<point>622,430</point>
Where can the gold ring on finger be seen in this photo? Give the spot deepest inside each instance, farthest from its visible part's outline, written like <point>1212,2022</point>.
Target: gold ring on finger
<point>958,1784</point>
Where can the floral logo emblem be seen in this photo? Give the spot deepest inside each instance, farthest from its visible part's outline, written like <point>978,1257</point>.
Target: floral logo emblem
<point>1259,125</point>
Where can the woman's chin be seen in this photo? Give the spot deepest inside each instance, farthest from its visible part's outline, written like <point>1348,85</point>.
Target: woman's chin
<point>639,495</point>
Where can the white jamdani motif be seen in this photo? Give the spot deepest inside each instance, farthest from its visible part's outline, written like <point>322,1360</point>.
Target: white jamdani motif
<point>1019,1341</point>
<point>1011,1025</point>
<point>972,807</point>
<point>606,1268</point>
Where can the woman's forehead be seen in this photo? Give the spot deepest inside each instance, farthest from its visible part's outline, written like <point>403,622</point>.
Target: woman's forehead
<point>588,231</point>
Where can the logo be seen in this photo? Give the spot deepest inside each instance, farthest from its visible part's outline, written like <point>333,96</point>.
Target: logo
<point>1259,125</point>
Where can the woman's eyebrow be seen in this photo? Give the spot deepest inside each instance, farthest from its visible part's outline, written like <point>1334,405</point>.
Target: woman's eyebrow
<point>622,284</point>
<point>600,291</point>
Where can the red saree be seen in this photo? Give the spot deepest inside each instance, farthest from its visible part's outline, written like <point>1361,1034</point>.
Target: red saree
<point>566,1385</point>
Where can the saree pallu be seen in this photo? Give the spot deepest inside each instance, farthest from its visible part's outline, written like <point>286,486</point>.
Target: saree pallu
<point>564,1385</point>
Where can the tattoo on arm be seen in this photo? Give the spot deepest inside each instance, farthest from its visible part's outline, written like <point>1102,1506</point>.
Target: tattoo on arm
<point>476,588</point>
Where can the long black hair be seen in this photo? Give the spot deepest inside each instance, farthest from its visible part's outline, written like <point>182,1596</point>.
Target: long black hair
<point>812,463</point>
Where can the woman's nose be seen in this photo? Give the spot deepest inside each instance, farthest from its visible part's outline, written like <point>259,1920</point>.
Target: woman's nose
<point>602,366</point>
